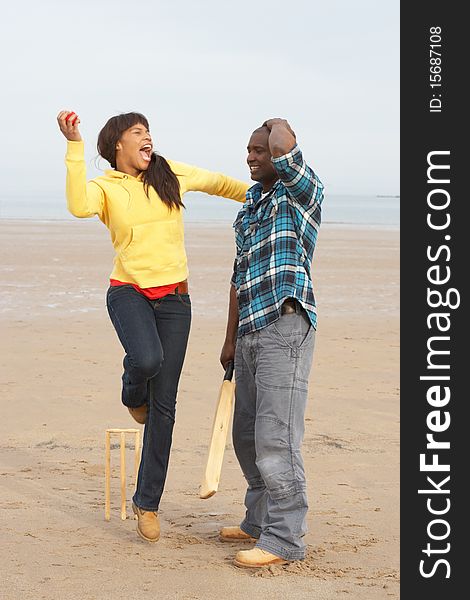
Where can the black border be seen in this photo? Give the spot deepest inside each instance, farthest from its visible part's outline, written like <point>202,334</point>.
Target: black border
<point>423,132</point>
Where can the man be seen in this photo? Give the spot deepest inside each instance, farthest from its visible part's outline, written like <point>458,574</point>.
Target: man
<point>270,335</point>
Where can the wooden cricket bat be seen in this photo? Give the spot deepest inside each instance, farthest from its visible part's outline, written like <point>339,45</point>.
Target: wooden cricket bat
<point>210,482</point>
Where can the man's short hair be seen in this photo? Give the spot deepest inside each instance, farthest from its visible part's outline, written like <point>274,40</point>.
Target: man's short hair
<point>262,128</point>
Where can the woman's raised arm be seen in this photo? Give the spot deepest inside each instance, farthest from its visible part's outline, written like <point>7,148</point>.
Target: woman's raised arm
<point>83,199</point>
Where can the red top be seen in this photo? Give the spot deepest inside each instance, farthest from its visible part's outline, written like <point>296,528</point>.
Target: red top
<point>152,293</point>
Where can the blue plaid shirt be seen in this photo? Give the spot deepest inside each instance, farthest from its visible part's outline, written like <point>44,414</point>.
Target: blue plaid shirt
<point>275,238</point>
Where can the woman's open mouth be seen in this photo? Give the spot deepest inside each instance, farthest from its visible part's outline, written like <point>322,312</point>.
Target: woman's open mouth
<point>146,152</point>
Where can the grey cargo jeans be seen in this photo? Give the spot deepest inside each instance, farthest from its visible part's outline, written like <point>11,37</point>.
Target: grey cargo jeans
<point>272,367</point>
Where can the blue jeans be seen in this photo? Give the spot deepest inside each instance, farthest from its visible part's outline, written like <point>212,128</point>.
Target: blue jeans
<point>154,334</point>
<point>272,367</point>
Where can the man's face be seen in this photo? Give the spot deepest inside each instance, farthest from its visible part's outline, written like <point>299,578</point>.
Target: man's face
<point>259,157</point>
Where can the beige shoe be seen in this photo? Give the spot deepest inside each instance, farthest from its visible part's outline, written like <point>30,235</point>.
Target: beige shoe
<point>148,524</point>
<point>139,414</point>
<point>256,557</point>
<point>234,534</point>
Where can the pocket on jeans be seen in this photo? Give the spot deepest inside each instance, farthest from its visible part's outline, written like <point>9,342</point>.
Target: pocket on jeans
<point>184,299</point>
<point>288,331</point>
<point>308,336</point>
<point>115,289</point>
<point>109,292</point>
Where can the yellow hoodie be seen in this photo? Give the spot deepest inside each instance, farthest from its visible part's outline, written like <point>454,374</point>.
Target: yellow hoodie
<point>148,237</point>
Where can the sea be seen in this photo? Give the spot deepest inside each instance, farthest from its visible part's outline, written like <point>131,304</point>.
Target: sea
<point>377,212</point>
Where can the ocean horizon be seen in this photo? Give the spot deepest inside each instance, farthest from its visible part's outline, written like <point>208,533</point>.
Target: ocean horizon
<point>339,210</point>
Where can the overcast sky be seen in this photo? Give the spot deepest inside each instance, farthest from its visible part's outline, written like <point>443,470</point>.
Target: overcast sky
<point>205,73</point>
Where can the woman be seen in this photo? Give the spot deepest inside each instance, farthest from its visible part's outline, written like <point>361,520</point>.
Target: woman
<point>139,200</point>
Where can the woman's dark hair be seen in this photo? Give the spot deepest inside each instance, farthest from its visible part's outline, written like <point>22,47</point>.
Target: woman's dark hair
<point>158,174</point>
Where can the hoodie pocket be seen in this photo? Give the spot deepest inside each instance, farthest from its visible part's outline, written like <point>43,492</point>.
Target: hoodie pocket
<point>154,247</point>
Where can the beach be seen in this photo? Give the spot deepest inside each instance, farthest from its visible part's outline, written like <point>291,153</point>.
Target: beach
<point>61,364</point>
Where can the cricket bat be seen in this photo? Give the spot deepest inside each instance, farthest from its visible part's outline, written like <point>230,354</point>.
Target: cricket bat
<point>223,411</point>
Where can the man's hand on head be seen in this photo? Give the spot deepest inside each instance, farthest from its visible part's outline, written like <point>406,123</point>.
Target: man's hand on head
<point>279,122</point>
<point>281,136</point>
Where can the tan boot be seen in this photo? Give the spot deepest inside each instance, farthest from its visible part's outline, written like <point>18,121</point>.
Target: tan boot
<point>148,524</point>
<point>256,557</point>
<point>234,534</point>
<point>139,414</point>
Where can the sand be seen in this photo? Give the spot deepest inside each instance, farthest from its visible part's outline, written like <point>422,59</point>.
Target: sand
<point>60,389</point>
